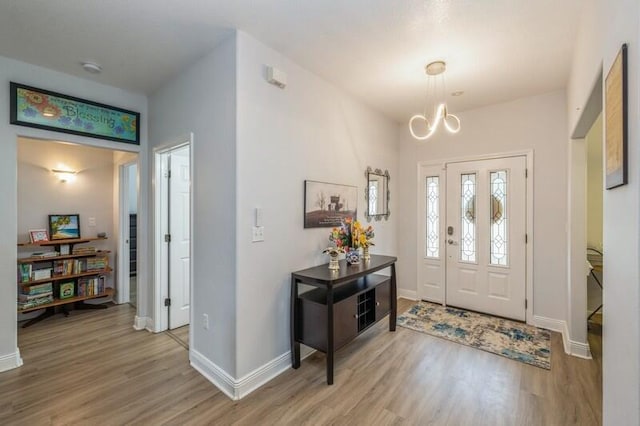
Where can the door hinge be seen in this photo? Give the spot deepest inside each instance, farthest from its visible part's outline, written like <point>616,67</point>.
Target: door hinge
<point>526,303</point>
<point>526,238</point>
<point>526,173</point>
<point>167,302</point>
<point>167,238</point>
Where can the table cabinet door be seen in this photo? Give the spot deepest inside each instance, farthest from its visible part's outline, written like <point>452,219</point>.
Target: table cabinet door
<point>345,322</point>
<point>383,299</point>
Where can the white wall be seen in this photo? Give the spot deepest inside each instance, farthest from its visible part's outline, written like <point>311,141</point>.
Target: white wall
<point>594,185</point>
<point>11,70</point>
<point>537,123</point>
<point>309,130</point>
<point>41,193</point>
<point>604,27</point>
<point>202,100</point>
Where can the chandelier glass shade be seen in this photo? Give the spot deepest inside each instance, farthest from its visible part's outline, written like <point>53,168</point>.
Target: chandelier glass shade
<point>423,126</point>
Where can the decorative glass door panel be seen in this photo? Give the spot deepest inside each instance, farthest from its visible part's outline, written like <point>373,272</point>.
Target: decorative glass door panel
<point>433,217</point>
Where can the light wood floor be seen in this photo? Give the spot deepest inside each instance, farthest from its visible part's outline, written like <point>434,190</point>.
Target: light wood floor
<point>180,335</point>
<point>92,368</point>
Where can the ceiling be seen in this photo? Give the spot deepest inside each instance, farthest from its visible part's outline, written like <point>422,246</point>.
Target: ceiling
<point>496,50</point>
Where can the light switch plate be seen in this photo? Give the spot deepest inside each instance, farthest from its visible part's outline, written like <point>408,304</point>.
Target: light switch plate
<point>258,234</point>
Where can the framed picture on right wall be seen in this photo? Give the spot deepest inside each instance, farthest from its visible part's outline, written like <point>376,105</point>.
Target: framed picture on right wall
<point>615,121</point>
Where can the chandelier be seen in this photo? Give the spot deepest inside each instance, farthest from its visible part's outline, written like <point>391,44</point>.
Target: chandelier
<point>435,105</point>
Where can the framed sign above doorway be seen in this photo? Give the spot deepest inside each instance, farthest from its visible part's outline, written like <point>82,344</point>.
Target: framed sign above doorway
<point>43,109</point>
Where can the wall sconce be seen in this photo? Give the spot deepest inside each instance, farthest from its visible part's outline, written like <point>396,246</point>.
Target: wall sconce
<point>64,175</point>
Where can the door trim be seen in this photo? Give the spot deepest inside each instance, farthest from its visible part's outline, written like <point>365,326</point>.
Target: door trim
<point>123,217</point>
<point>529,158</point>
<point>160,280</point>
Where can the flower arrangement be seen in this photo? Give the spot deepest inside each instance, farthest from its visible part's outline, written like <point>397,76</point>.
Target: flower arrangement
<point>348,238</point>
<point>351,235</point>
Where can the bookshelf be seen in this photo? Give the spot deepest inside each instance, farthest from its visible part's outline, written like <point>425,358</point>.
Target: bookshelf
<point>59,283</point>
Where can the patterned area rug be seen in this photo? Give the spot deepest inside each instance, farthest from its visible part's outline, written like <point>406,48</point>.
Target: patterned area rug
<point>510,339</point>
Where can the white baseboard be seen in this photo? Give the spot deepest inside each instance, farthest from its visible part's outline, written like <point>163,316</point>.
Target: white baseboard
<point>571,347</point>
<point>143,323</point>
<point>578,349</point>
<point>407,294</point>
<point>237,389</point>
<point>553,324</point>
<point>258,377</point>
<point>216,375</point>
<point>10,361</point>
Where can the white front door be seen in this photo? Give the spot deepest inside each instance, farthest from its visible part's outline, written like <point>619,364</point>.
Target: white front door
<point>179,225</point>
<point>485,236</point>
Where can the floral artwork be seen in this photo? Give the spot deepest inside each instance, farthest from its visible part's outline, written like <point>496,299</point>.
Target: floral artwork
<point>33,107</point>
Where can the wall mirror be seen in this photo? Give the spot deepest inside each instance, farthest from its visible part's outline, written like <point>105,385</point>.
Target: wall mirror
<point>377,194</point>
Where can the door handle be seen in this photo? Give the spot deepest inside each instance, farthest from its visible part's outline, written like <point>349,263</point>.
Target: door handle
<point>451,242</point>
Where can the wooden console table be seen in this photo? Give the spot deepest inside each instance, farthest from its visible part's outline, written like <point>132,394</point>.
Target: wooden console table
<point>344,303</point>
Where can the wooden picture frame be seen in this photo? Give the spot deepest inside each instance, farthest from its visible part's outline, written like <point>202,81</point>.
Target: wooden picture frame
<point>44,109</point>
<point>64,226</point>
<point>327,204</point>
<point>616,121</point>
<point>38,235</point>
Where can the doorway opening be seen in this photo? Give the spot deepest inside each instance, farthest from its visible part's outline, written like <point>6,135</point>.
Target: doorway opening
<point>594,207</point>
<point>585,223</point>
<point>128,211</point>
<point>173,217</point>
<point>83,182</point>
<point>475,250</point>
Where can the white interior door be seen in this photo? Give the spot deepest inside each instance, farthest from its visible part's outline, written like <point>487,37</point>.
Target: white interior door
<point>485,236</point>
<point>179,225</point>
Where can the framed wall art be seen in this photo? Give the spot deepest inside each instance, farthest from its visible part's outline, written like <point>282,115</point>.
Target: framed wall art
<point>327,204</point>
<point>615,121</point>
<point>64,226</point>
<point>43,109</point>
<point>38,235</point>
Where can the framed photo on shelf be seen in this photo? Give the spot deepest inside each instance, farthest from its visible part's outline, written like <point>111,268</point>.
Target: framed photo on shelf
<point>38,235</point>
<point>615,121</point>
<point>327,204</point>
<point>67,290</point>
<point>64,226</point>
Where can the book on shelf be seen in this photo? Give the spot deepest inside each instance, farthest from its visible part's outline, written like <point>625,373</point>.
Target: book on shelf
<point>91,286</point>
<point>29,297</point>
<point>24,272</point>
<point>97,263</point>
<point>35,302</point>
<point>44,254</point>
<point>69,267</point>
<point>84,250</point>
<point>41,274</point>
<point>37,289</point>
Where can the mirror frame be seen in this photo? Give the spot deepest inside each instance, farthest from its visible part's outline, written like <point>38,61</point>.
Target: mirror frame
<point>387,213</point>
